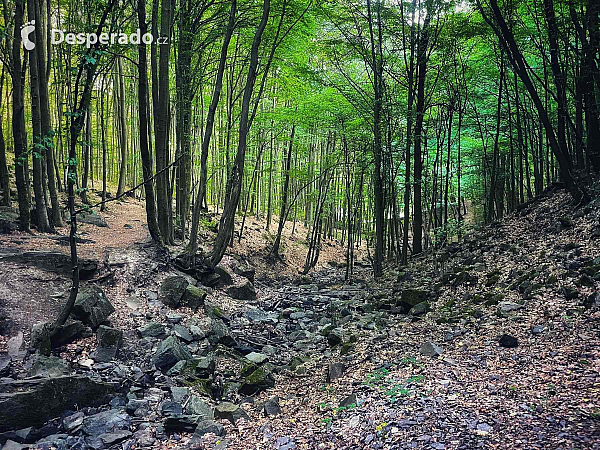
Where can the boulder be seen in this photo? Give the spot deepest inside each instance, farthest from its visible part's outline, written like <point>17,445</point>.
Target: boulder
<point>69,332</point>
<point>92,307</point>
<point>256,358</point>
<point>220,334</point>
<point>335,337</point>
<point>231,412</point>
<point>105,422</point>
<point>257,381</point>
<point>172,290</point>
<point>182,333</point>
<point>242,291</point>
<point>335,371</point>
<point>40,338</point>
<point>194,296</point>
<point>347,401</point>
<point>214,312</point>
<point>226,278</point>
<point>182,422</point>
<point>20,400</point>
<point>258,315</point>
<point>205,427</point>
<point>431,349</point>
<point>195,406</point>
<point>49,366</point>
<point>245,270</point>
<point>170,351</point>
<point>110,341</point>
<point>152,329</point>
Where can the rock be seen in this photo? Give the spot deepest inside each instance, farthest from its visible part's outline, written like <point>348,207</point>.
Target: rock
<point>220,334</point>
<point>298,315</point>
<point>349,400</point>
<point>169,353</point>
<point>413,297</point>
<point>431,349</point>
<point>258,380</point>
<point>508,341</point>
<point>48,366</point>
<point>335,337</point>
<point>194,297</point>
<point>110,439</point>
<point>40,340</point>
<point>68,333</point>
<point>179,394</point>
<point>182,333</point>
<point>182,422</point>
<point>171,408</point>
<point>506,307</point>
<point>271,407</point>
<point>5,365</point>
<point>197,407</point>
<point>242,291</point>
<point>538,329</point>
<point>12,445</point>
<point>226,278</point>
<point>92,307</point>
<point>135,404</point>
<point>172,290</point>
<point>205,427</point>
<point>210,279</point>
<point>174,317</point>
<point>214,312</point>
<point>72,422</point>
<point>258,315</point>
<point>419,309</point>
<point>256,358</point>
<point>335,371</point>
<point>464,278</point>
<point>152,329</point>
<point>231,412</point>
<point>105,422</point>
<point>197,332</point>
<point>91,218</point>
<point>246,271</point>
<point>133,303</point>
<point>109,343</point>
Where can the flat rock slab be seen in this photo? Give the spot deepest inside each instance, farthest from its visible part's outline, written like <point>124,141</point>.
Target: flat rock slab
<point>20,401</point>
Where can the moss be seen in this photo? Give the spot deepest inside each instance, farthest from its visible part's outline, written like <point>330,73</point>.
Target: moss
<point>345,348</point>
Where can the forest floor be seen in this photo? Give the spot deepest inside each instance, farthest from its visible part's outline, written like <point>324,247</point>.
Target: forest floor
<point>500,351</point>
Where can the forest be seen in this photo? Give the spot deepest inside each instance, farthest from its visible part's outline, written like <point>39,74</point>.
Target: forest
<point>392,206</point>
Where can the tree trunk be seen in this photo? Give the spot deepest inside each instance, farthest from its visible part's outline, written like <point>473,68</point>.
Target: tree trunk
<point>122,127</point>
<point>237,171</point>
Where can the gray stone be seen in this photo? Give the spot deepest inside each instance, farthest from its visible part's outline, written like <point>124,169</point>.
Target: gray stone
<point>271,407</point>
<point>92,307</point>
<point>242,291</point>
<point>507,307</point>
<point>258,380</point>
<point>68,333</point>
<point>72,422</point>
<point>335,337</point>
<point>135,404</point>
<point>245,270</point>
<point>508,341</point>
<point>194,297</point>
<point>226,276</point>
<point>169,353</point>
<point>231,412</point>
<point>178,394</point>
<point>197,332</point>
<point>172,290</point>
<point>197,407</point>
<point>256,358</point>
<point>208,426</point>
<point>40,340</point>
<point>419,309</point>
<point>258,315</point>
<point>335,371</point>
<point>174,317</point>
<point>214,312</point>
<point>105,422</point>
<point>152,329</point>
<point>431,349</point>
<point>110,341</point>
<point>220,333</point>
<point>182,422</point>
<point>115,437</point>
<point>171,408</point>
<point>182,333</point>
<point>48,366</point>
